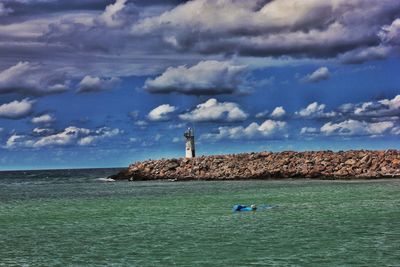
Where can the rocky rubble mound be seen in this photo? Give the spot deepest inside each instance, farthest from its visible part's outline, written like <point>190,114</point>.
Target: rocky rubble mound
<point>266,165</point>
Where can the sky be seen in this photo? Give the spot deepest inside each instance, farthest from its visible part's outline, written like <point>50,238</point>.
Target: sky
<point>104,83</point>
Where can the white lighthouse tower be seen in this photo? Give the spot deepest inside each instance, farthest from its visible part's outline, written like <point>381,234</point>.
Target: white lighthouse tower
<point>190,150</point>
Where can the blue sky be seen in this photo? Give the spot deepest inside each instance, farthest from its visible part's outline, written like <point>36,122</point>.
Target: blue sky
<point>106,83</point>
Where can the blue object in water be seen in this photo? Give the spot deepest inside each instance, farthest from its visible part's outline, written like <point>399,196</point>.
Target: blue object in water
<point>239,207</point>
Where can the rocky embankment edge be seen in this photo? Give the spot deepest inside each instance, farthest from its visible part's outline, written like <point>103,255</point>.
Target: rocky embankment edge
<point>353,164</point>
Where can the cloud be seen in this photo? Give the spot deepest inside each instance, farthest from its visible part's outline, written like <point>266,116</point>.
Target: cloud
<point>362,55</point>
<point>69,136</point>
<point>278,112</point>
<point>268,129</point>
<point>42,131</point>
<point>262,114</point>
<point>317,29</point>
<point>99,134</point>
<point>97,84</point>
<point>176,126</point>
<point>134,114</point>
<point>308,131</point>
<point>141,124</point>
<point>355,127</point>
<point>390,34</point>
<point>395,131</point>
<point>133,139</point>
<point>315,111</point>
<point>212,110</point>
<point>161,113</point>
<point>45,118</point>
<point>17,109</point>
<point>157,137</point>
<point>101,38</point>
<point>318,75</point>
<point>374,109</point>
<point>91,31</point>
<point>206,78</point>
<point>4,11</point>
<point>110,15</point>
<point>31,79</point>
<point>17,140</point>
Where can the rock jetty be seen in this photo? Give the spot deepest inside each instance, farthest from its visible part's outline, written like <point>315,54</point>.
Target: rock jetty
<point>353,164</point>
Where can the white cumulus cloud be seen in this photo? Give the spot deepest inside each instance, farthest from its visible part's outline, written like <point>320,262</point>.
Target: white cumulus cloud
<point>278,112</point>
<point>373,109</point>
<point>16,109</point>
<point>69,136</point>
<point>45,118</point>
<point>206,78</point>
<point>110,15</point>
<point>212,110</point>
<point>268,129</point>
<point>315,110</point>
<point>99,134</point>
<point>308,130</point>
<point>97,84</point>
<point>262,114</point>
<point>161,113</point>
<point>318,75</point>
<point>355,127</point>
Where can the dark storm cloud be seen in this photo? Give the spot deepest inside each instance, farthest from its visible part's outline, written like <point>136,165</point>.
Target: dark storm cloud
<point>78,38</point>
<point>319,29</point>
<point>122,38</point>
<point>4,11</point>
<point>35,7</point>
<point>316,29</point>
<point>158,2</point>
<point>30,8</point>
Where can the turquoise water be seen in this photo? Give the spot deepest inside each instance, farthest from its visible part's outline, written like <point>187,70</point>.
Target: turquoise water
<point>72,219</point>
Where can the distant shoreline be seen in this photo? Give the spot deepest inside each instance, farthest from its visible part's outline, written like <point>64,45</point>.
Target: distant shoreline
<point>322,165</point>
<point>61,169</point>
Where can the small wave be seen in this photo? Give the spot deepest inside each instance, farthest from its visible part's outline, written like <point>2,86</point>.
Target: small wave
<point>105,180</point>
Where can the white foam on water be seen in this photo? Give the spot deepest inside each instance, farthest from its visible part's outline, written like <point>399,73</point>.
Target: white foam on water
<point>105,180</point>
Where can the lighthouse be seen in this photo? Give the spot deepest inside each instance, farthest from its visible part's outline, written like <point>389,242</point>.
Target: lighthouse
<point>190,150</point>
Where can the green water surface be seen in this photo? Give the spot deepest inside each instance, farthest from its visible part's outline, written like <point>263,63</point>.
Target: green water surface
<point>89,223</point>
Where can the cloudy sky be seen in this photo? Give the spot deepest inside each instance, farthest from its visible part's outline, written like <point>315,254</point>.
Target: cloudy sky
<point>98,83</point>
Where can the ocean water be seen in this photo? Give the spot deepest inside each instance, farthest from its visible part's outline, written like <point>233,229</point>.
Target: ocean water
<point>71,218</point>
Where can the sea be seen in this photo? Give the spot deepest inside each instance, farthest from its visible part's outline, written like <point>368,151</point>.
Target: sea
<point>79,218</point>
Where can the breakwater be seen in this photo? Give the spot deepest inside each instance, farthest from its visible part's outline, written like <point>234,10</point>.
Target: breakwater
<point>353,164</point>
